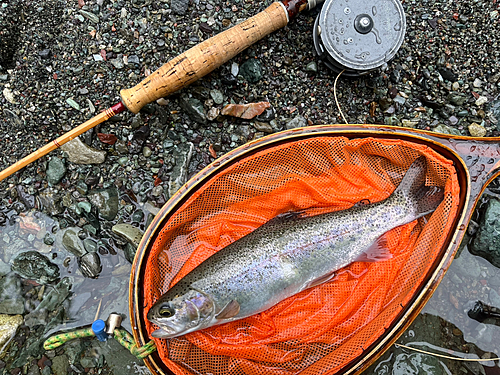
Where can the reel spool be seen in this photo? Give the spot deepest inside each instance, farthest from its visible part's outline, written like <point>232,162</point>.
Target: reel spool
<point>358,36</point>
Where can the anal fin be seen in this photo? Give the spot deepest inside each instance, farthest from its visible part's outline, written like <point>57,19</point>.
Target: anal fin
<point>321,280</point>
<point>231,309</point>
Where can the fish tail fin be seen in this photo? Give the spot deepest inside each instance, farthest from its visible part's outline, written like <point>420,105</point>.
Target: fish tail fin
<point>424,199</point>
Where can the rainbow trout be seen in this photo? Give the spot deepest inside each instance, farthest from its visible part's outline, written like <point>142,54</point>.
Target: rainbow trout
<point>285,256</point>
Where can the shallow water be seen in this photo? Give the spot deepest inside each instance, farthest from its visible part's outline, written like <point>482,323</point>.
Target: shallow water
<point>442,327</point>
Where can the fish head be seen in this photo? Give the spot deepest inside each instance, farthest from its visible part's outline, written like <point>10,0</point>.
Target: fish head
<point>181,314</point>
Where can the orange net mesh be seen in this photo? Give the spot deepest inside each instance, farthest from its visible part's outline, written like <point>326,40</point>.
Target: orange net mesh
<point>321,329</point>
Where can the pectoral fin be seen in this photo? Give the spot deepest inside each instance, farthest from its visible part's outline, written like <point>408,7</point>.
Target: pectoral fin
<point>230,310</point>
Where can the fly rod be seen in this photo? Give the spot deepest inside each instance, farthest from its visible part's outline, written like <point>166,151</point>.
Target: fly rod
<point>184,69</point>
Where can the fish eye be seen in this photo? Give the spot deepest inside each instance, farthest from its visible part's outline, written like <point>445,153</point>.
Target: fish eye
<point>166,311</point>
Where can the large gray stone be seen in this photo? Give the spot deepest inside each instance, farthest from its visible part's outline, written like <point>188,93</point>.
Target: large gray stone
<point>80,153</point>
<point>194,108</point>
<point>119,359</point>
<point>60,365</point>
<point>106,200</point>
<point>296,122</point>
<point>251,70</point>
<point>178,177</point>
<point>131,234</point>
<point>55,170</point>
<point>486,244</point>
<point>72,242</point>
<point>34,266</point>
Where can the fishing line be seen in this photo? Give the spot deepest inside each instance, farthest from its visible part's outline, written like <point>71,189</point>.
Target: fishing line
<point>335,95</point>
<point>449,357</point>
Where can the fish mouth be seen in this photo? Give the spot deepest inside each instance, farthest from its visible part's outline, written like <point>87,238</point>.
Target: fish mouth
<point>164,333</point>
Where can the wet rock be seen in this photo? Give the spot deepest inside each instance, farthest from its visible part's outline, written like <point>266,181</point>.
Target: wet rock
<point>26,198</point>
<point>90,245</point>
<point>73,243</point>
<point>51,201</point>
<point>246,111</point>
<point>486,243</point>
<point>494,108</point>
<point>447,74</point>
<point>477,130</point>
<point>80,153</point>
<point>410,123</point>
<point>477,83</point>
<point>106,200</point>
<point>10,286</point>
<point>129,252</point>
<point>494,298</point>
<point>134,59</point>
<point>33,370</point>
<point>121,147</point>
<point>12,306</point>
<point>312,67</point>
<point>467,265</point>
<point>10,290</point>
<point>90,265</point>
<point>82,187</point>
<point>50,302</point>
<point>131,234</point>
<point>73,104</point>
<point>138,139</point>
<point>392,120</point>
<point>396,74</point>
<point>263,127</point>
<point>296,122</point>
<point>251,70</point>
<point>213,113</point>
<point>8,327</point>
<point>90,16</point>
<point>14,120</point>
<point>217,96</point>
<point>117,357</point>
<point>182,155</point>
<point>444,129</point>
<point>456,98</point>
<point>117,63</point>
<point>147,152</point>
<point>266,116</point>
<point>56,296</point>
<point>194,108</point>
<point>32,265</point>
<point>414,363</point>
<point>32,347</point>
<point>179,6</point>
<point>60,365</point>
<point>74,349</point>
<point>10,248</point>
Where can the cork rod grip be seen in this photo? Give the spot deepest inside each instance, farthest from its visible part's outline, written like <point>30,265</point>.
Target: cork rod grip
<point>204,57</point>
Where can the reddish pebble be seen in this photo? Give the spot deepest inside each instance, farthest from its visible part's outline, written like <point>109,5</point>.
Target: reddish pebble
<point>41,362</point>
<point>109,139</point>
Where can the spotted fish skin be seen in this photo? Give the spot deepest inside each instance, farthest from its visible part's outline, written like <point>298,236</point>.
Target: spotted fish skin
<point>286,255</point>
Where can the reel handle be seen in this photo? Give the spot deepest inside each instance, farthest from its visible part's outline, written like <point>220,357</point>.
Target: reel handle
<point>204,57</point>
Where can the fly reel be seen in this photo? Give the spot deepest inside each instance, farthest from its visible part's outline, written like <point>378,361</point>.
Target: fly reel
<point>358,36</point>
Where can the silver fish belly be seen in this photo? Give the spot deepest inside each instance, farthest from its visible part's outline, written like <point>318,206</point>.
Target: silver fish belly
<point>286,255</point>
